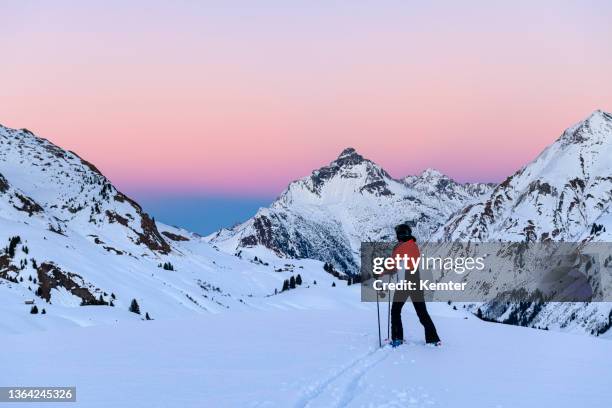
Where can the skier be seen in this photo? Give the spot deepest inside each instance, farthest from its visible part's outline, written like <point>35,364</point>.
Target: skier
<point>407,246</point>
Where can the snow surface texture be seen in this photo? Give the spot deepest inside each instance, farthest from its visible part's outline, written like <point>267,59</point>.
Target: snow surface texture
<point>316,359</point>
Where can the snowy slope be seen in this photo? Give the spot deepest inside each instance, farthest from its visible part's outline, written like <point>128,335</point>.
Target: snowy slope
<point>314,359</point>
<point>83,250</point>
<point>70,193</point>
<point>328,214</point>
<point>565,194</point>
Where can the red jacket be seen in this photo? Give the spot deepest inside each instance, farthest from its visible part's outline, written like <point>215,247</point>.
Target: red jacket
<point>410,249</point>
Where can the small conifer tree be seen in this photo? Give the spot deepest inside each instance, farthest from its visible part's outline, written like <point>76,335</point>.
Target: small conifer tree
<point>134,307</point>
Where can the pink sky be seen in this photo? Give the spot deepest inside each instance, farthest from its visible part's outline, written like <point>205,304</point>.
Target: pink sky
<point>204,98</point>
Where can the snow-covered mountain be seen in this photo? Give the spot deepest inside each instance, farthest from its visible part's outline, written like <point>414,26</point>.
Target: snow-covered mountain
<point>328,214</point>
<point>47,186</point>
<point>432,183</point>
<point>565,194</point>
<point>73,239</point>
<point>70,238</point>
<point>562,195</point>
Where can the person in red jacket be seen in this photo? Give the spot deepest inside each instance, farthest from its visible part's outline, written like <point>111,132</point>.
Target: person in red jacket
<point>407,246</point>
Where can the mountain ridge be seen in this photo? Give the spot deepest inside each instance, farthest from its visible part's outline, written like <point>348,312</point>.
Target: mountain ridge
<point>327,214</point>
<point>81,239</point>
<point>568,184</point>
<point>70,240</point>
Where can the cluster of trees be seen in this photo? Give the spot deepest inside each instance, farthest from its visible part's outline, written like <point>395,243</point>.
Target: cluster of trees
<point>596,228</point>
<point>350,279</point>
<point>34,310</point>
<point>260,261</point>
<point>604,327</point>
<point>100,301</point>
<point>11,279</point>
<point>167,266</point>
<point>13,242</point>
<point>329,268</point>
<point>291,282</point>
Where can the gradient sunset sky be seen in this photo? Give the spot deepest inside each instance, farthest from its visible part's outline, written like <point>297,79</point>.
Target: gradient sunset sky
<point>238,98</point>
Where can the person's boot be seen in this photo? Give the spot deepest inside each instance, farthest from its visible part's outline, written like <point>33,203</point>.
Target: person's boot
<point>396,343</point>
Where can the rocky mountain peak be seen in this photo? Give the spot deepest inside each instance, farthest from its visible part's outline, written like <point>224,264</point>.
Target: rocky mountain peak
<point>365,175</point>
<point>347,152</point>
<point>594,129</point>
<point>599,114</point>
<point>348,157</point>
<point>562,195</point>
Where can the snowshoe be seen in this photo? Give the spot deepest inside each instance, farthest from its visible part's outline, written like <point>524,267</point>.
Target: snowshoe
<point>396,343</point>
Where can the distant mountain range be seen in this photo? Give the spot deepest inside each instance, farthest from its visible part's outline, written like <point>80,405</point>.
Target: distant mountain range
<point>73,239</point>
<point>328,214</point>
<point>564,194</point>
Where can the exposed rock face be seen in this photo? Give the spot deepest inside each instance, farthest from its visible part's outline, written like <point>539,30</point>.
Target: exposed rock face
<point>174,237</point>
<point>3,184</point>
<point>52,277</point>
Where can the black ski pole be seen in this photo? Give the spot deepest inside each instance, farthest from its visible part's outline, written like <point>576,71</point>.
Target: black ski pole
<point>378,314</point>
<point>389,312</point>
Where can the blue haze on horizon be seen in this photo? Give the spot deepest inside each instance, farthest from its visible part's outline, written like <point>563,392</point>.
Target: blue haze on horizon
<point>201,214</point>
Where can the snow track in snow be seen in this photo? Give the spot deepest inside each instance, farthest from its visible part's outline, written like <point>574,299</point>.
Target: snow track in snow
<point>346,379</point>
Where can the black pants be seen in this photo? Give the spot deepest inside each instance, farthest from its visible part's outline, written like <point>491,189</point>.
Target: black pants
<point>397,331</point>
